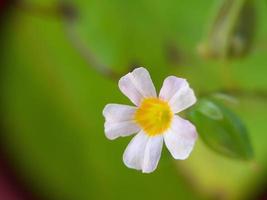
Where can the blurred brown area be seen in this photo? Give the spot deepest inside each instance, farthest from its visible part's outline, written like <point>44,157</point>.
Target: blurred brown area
<point>11,188</point>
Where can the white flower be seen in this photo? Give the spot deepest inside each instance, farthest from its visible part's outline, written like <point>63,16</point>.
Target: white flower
<point>153,118</point>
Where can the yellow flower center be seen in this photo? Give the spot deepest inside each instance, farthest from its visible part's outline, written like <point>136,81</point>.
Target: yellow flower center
<point>154,116</point>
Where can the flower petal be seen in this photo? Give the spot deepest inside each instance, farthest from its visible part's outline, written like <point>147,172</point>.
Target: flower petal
<point>178,93</point>
<point>180,138</point>
<point>152,153</point>
<point>136,85</point>
<point>119,121</point>
<point>143,152</point>
<point>134,153</point>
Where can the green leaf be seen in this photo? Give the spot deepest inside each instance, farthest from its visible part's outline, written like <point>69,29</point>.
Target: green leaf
<point>221,129</point>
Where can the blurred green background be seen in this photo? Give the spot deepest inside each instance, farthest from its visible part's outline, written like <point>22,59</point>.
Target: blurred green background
<point>52,98</point>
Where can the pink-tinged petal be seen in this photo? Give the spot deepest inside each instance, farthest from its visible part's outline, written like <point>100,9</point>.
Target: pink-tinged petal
<point>143,152</point>
<point>137,85</point>
<point>118,112</point>
<point>180,138</point>
<point>178,93</point>
<point>152,154</point>
<point>119,121</point>
<point>134,153</point>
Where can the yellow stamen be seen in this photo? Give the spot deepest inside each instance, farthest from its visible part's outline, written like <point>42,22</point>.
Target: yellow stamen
<point>154,116</point>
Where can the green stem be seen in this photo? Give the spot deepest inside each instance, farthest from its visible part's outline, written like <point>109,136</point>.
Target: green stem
<point>234,14</point>
<point>68,15</point>
<point>86,53</point>
<point>250,94</point>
